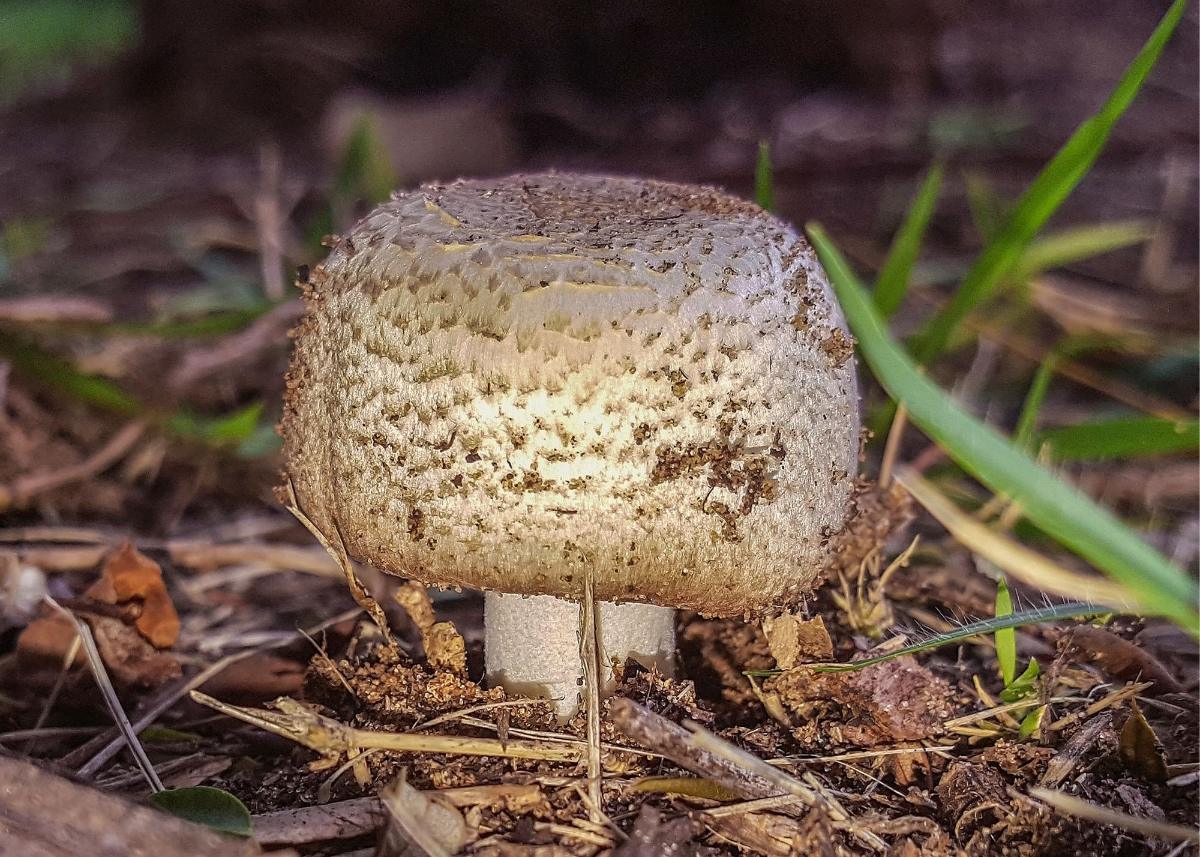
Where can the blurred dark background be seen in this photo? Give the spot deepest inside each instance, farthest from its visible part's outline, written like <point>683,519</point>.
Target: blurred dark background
<point>171,163</point>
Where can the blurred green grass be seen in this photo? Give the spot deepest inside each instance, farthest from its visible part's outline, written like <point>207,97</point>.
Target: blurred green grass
<point>41,40</point>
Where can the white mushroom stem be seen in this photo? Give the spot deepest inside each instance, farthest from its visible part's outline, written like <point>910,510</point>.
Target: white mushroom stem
<point>532,644</point>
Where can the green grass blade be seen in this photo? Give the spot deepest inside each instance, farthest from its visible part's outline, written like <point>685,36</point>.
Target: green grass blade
<point>366,170</point>
<point>60,375</point>
<point>1074,245</point>
<point>764,178</point>
<point>1027,422</point>
<point>892,283</point>
<point>1055,182</point>
<point>1035,616</point>
<point>1056,507</point>
<point>1127,437</point>
<point>1006,638</point>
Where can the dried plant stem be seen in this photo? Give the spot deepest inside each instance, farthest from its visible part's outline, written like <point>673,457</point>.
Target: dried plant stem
<point>589,654</point>
<point>891,449</point>
<point>1071,805</point>
<point>100,674</point>
<point>24,488</point>
<point>293,721</point>
<point>361,596</point>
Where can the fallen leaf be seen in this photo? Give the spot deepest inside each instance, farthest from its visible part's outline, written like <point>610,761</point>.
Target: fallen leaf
<point>420,824</point>
<point>794,640</point>
<point>211,807</point>
<point>1119,658</point>
<point>130,576</point>
<point>1140,749</point>
<point>133,619</point>
<point>257,678</point>
<point>128,656</point>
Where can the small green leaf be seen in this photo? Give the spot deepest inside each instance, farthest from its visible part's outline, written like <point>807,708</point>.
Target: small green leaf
<point>1031,725</point>
<point>262,441</point>
<point>1125,437</point>
<point>229,430</point>
<point>1006,638</point>
<point>892,283</point>
<point>1024,685</point>
<point>211,807</point>
<point>764,178</point>
<point>1043,197</point>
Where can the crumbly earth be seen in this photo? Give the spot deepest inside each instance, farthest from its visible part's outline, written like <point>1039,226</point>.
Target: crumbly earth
<point>506,384</point>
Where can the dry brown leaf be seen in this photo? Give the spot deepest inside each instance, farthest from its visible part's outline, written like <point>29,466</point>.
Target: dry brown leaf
<point>257,678</point>
<point>1140,749</point>
<point>1119,657</point>
<point>128,637</point>
<point>420,824</point>
<point>794,640</point>
<point>895,701</point>
<point>130,576</point>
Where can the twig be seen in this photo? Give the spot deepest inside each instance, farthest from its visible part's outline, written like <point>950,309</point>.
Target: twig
<point>107,745</point>
<point>1118,695</point>
<point>327,736</point>
<point>100,674</point>
<point>359,592</point>
<point>59,682</point>
<point>1071,805</point>
<point>266,332</point>
<point>22,489</point>
<point>589,653</point>
<point>268,220</point>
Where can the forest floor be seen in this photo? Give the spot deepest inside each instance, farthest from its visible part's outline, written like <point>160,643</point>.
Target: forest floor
<point>145,314</point>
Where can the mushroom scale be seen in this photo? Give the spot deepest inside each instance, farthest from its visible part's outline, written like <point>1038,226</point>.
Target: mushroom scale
<point>503,384</point>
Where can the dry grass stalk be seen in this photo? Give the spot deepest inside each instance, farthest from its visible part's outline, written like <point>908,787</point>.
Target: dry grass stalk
<point>1071,805</point>
<point>589,654</point>
<point>361,597</point>
<point>330,738</point>
<point>100,674</point>
<point>20,491</point>
<point>95,754</point>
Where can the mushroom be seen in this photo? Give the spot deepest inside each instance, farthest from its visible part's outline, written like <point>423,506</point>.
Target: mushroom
<point>528,384</point>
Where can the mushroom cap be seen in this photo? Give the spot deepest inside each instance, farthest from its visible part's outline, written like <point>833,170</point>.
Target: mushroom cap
<point>504,384</point>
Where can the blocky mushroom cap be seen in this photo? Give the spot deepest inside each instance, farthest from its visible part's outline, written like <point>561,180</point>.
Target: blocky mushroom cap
<point>500,384</point>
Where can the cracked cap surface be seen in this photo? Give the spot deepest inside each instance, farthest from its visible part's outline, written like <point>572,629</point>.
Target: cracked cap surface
<point>499,384</point>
